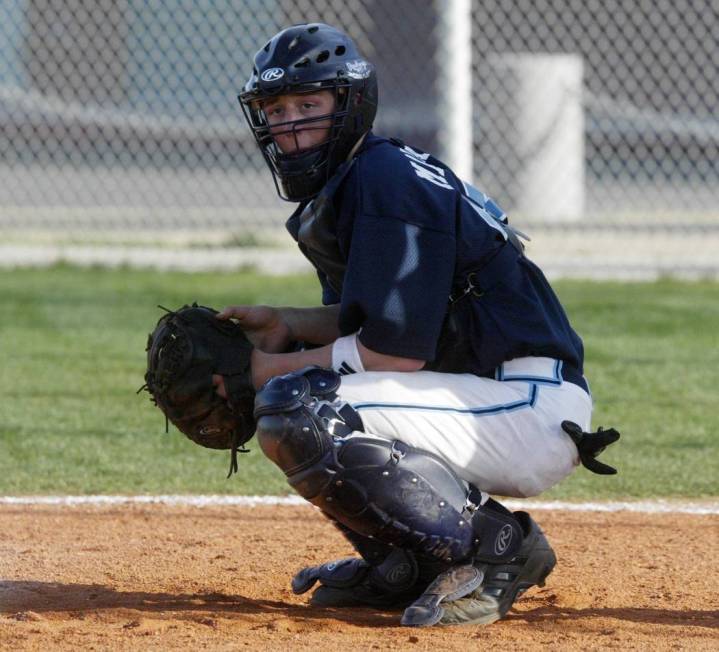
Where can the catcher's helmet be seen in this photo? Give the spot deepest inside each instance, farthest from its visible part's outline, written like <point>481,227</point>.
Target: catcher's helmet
<point>301,59</point>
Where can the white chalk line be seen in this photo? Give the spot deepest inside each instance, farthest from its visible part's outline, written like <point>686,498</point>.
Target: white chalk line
<point>642,507</point>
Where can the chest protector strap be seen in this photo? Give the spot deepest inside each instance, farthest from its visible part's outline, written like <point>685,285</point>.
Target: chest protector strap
<point>316,232</point>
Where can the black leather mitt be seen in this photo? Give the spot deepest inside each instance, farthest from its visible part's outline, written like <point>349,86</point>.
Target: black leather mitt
<point>186,348</point>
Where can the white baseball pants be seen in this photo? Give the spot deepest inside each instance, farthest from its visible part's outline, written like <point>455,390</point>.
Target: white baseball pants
<point>503,436</point>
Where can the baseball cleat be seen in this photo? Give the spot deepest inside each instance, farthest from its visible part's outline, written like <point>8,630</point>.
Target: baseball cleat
<point>454,583</point>
<point>504,583</point>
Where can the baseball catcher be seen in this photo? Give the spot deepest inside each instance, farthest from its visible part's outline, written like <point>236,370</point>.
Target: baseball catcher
<point>189,350</point>
<point>443,371</point>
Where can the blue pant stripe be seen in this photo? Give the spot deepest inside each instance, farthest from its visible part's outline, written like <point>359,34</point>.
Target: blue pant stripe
<point>478,411</point>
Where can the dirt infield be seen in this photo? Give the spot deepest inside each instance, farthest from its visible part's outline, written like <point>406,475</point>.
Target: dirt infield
<point>154,577</point>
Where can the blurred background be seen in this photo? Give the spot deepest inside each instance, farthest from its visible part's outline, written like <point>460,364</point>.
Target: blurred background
<point>593,124</point>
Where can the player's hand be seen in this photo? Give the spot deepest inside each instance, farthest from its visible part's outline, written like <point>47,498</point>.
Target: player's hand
<point>265,326</point>
<point>219,384</point>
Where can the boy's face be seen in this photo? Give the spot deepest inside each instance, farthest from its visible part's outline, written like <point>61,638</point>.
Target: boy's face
<point>283,110</point>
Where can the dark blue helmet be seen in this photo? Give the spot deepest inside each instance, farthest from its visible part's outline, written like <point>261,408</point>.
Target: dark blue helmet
<point>302,59</point>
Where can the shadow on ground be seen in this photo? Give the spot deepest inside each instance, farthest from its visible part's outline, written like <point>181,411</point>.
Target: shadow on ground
<point>18,597</point>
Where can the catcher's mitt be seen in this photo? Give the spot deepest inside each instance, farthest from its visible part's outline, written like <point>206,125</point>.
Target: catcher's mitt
<point>186,348</point>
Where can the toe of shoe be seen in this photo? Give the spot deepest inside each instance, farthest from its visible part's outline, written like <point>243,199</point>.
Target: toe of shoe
<point>475,610</point>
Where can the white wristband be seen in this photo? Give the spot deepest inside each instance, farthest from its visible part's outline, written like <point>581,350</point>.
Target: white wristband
<point>346,356</point>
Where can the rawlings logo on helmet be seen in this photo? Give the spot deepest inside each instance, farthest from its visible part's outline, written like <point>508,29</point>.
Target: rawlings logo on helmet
<point>272,74</point>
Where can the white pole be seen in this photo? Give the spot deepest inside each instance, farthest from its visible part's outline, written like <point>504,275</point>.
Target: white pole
<point>455,69</point>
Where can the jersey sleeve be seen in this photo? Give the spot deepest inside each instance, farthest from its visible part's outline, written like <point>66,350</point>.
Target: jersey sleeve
<point>400,261</point>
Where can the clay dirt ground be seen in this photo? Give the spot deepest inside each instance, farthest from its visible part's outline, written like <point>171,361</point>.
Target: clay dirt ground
<point>155,577</point>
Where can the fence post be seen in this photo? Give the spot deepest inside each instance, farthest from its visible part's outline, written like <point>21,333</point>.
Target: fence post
<point>455,67</point>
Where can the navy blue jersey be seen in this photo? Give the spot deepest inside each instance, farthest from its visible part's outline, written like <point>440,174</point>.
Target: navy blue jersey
<point>423,266</point>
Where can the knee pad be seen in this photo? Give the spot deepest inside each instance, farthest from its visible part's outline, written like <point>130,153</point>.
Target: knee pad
<point>299,419</point>
<point>381,489</point>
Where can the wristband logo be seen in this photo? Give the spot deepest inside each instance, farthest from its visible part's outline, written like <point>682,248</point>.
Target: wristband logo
<point>345,369</point>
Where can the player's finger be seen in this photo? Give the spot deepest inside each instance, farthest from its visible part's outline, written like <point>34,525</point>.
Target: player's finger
<point>219,383</point>
<point>232,312</point>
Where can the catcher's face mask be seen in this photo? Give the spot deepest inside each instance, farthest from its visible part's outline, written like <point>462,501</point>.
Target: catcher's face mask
<point>308,59</point>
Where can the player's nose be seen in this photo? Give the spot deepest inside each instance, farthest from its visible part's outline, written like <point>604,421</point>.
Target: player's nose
<point>292,113</point>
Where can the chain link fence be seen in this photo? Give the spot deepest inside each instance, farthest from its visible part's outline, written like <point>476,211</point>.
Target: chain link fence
<point>594,124</point>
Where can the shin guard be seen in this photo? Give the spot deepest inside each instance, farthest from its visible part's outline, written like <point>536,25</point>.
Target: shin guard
<point>381,489</point>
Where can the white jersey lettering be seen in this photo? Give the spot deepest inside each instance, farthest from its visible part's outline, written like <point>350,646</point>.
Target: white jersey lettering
<point>432,173</point>
<point>432,177</point>
<point>412,153</point>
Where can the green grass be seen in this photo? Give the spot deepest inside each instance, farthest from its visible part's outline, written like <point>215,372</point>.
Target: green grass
<point>72,344</point>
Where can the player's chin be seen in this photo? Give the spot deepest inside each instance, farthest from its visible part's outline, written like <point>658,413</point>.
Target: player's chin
<point>294,151</point>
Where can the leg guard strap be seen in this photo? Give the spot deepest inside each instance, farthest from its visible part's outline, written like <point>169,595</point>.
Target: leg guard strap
<point>395,575</point>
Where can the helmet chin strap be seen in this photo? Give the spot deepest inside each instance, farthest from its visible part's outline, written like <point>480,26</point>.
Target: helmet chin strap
<point>357,145</point>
